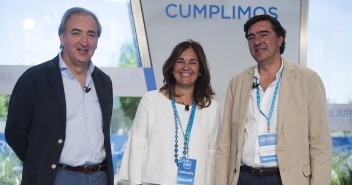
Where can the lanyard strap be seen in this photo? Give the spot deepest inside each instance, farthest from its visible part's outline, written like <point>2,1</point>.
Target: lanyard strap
<point>186,135</point>
<point>268,118</point>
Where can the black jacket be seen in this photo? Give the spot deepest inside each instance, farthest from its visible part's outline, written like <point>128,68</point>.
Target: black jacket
<point>36,122</point>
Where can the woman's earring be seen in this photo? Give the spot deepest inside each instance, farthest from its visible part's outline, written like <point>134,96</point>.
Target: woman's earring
<point>200,74</point>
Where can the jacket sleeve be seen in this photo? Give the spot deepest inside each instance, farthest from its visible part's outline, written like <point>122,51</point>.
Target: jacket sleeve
<point>224,142</point>
<point>319,134</point>
<point>20,115</point>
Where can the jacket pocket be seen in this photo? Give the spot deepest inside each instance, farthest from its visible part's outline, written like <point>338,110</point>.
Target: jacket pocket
<point>306,170</point>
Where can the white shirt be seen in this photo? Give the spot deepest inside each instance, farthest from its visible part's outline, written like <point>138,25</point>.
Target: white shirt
<point>149,154</point>
<point>257,124</point>
<point>84,142</point>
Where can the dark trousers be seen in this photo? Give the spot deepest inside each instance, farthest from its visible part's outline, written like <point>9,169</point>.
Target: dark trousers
<point>66,177</point>
<point>246,178</point>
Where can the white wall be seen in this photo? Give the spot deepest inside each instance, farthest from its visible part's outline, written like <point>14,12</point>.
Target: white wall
<point>220,33</point>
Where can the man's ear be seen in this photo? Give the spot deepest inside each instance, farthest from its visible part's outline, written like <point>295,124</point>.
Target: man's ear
<point>62,37</point>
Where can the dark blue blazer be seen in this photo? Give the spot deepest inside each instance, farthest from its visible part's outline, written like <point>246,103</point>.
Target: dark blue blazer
<point>36,122</point>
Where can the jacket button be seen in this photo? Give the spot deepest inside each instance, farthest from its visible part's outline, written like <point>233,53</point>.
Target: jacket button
<point>59,141</point>
<point>53,166</point>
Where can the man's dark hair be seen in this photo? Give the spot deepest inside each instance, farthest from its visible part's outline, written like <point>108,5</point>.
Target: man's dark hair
<point>275,25</point>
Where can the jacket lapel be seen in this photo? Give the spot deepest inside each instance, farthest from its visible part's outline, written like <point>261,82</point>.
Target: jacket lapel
<point>285,89</point>
<point>102,96</point>
<point>55,79</point>
<point>246,90</point>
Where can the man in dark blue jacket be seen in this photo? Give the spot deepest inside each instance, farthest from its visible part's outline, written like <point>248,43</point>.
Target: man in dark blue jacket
<point>59,113</point>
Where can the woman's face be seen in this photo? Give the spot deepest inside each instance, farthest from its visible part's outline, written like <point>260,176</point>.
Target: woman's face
<point>186,69</point>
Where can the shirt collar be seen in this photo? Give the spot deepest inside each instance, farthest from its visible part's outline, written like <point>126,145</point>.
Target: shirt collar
<point>65,69</point>
<point>256,71</point>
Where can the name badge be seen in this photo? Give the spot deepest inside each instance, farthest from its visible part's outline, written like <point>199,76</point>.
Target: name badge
<point>267,148</point>
<point>186,171</point>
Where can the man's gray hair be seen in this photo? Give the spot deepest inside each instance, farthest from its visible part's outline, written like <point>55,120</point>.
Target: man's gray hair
<point>73,11</point>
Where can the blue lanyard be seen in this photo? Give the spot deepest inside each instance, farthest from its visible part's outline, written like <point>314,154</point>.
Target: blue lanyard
<point>186,135</point>
<point>272,101</point>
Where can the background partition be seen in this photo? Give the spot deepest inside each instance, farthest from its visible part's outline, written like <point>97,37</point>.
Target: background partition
<point>30,36</point>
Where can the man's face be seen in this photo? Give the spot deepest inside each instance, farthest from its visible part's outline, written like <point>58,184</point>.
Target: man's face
<point>79,40</point>
<point>263,43</point>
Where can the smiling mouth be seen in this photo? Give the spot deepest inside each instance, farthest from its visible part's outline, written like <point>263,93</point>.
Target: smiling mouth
<point>186,74</point>
<point>83,50</point>
<point>259,49</point>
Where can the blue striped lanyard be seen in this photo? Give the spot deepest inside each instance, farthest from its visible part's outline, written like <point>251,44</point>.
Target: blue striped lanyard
<point>268,118</point>
<point>187,135</point>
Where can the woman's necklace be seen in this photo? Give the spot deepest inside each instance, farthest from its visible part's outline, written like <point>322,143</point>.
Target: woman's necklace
<point>188,129</point>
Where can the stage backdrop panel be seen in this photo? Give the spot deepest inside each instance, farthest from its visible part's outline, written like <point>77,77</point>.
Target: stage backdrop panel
<point>218,26</point>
